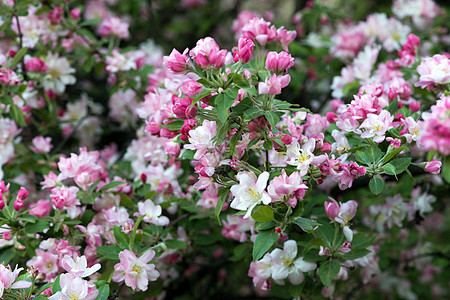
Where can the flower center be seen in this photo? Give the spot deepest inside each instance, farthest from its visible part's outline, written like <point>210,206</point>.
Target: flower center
<point>253,193</point>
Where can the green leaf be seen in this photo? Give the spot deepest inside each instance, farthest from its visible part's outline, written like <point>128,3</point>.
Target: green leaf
<point>355,253</point>
<point>264,225</point>
<point>306,224</point>
<point>262,213</point>
<point>296,290</point>
<point>222,133</point>
<point>18,57</point>
<point>223,103</point>
<point>110,185</point>
<point>17,115</point>
<point>263,242</point>
<point>373,154</point>
<point>240,251</point>
<point>175,244</point>
<point>400,164</point>
<point>362,241</point>
<point>268,145</point>
<point>376,185</point>
<point>362,158</point>
<point>188,154</point>
<point>220,202</point>
<point>109,252</point>
<point>393,106</point>
<point>39,226</point>
<point>91,22</point>
<point>121,238</point>
<point>125,200</point>
<point>56,286</point>
<point>389,169</point>
<point>242,106</point>
<point>446,169</point>
<point>103,292</point>
<point>326,233</point>
<point>174,125</point>
<point>252,113</point>
<point>272,117</point>
<point>327,271</point>
<point>393,153</point>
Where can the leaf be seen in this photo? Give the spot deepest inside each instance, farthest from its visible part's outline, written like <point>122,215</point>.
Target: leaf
<point>306,224</point>
<point>109,252</point>
<point>220,202</point>
<point>272,117</point>
<point>268,145</point>
<point>17,115</point>
<point>223,103</point>
<point>392,153</point>
<point>400,164</point>
<point>242,106</point>
<point>125,200</point>
<point>222,133</point>
<point>39,226</point>
<point>263,242</point>
<point>326,233</point>
<point>91,22</point>
<point>389,169</point>
<point>362,158</point>
<point>362,241</point>
<point>121,238</point>
<point>18,57</point>
<point>393,106</point>
<point>110,185</point>
<point>252,113</point>
<point>174,125</point>
<point>327,271</point>
<point>175,244</point>
<point>373,154</point>
<point>376,185</point>
<point>446,169</point>
<point>240,251</point>
<point>56,286</point>
<point>262,213</point>
<point>355,253</point>
<point>103,292</point>
<point>264,225</point>
<point>188,154</point>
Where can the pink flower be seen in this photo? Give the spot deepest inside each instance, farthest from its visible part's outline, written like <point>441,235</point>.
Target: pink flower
<point>41,208</point>
<point>78,266</point>
<point>73,287</point>
<point>7,278</point>
<point>279,62</point>
<point>260,30</point>
<point>236,228</point>
<point>151,213</point>
<point>201,138</point>
<point>376,126</point>
<point>207,53</point>
<point>286,37</point>
<point>434,71</point>
<point>135,271</point>
<point>176,62</point>
<point>191,88</point>
<point>435,129</point>
<point>245,50</point>
<point>287,188</point>
<point>41,144</point>
<point>35,64</point>
<point>183,108</point>
<point>433,167</point>
<point>341,213</point>
<point>114,26</point>
<point>75,13</point>
<point>46,263</point>
<point>303,157</point>
<point>249,192</point>
<point>64,197</point>
<point>274,84</point>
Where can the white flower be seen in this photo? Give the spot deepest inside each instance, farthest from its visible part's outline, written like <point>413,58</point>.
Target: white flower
<point>58,74</point>
<point>376,126</point>
<point>152,213</point>
<point>78,267</point>
<point>250,192</point>
<point>303,157</point>
<point>285,265</point>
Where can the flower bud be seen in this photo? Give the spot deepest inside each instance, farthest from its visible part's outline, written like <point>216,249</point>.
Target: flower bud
<point>332,208</point>
<point>18,204</point>
<point>348,233</point>
<point>75,13</point>
<point>331,117</point>
<point>6,235</point>
<point>2,204</point>
<point>433,167</point>
<point>414,106</point>
<point>286,139</point>
<point>23,193</point>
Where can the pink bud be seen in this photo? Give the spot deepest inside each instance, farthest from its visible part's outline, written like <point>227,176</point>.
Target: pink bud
<point>346,247</point>
<point>245,49</point>
<point>6,235</point>
<point>3,188</point>
<point>433,167</point>
<point>324,251</point>
<point>332,208</point>
<point>326,147</point>
<point>65,229</point>
<point>152,128</point>
<point>75,13</point>
<point>191,88</point>
<point>279,62</point>
<point>143,178</point>
<point>335,104</point>
<point>18,204</point>
<point>11,53</point>
<point>331,117</point>
<point>286,139</point>
<point>414,106</point>
<point>176,62</point>
<point>23,193</point>
<point>347,211</point>
<point>252,126</point>
<point>172,148</point>
<point>2,204</point>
